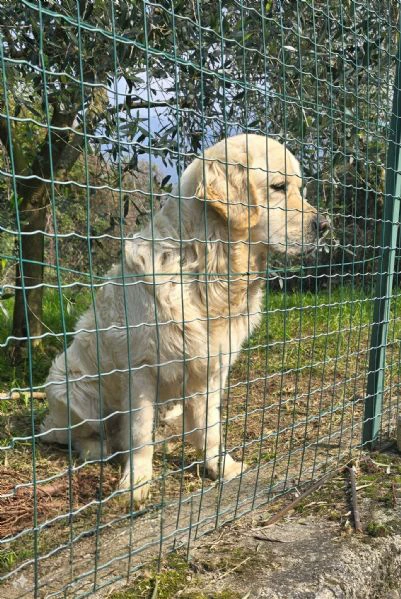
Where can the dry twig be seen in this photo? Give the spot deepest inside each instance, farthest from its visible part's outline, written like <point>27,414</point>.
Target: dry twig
<point>354,500</point>
<point>264,538</point>
<point>235,568</point>
<point>288,508</point>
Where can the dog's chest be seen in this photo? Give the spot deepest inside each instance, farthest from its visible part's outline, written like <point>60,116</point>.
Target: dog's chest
<point>230,333</point>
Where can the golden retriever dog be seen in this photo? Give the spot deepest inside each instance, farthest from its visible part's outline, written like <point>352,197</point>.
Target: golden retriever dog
<point>173,316</point>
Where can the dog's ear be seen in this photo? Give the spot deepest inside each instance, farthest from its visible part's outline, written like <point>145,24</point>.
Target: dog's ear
<point>229,189</point>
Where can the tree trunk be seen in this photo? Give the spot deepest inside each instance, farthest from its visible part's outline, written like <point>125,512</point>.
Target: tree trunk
<point>28,310</point>
<point>65,149</point>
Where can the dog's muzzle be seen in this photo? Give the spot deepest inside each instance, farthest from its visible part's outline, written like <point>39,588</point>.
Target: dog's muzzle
<point>320,228</point>
<point>320,225</point>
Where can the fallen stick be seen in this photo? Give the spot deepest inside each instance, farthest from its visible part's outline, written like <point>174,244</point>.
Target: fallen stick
<point>364,486</point>
<point>26,395</point>
<point>354,500</point>
<point>264,538</point>
<point>394,492</point>
<point>288,508</point>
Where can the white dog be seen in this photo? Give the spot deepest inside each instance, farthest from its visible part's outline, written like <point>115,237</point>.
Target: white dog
<point>173,317</point>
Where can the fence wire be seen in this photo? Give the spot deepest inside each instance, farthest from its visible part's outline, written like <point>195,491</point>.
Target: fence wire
<point>261,329</point>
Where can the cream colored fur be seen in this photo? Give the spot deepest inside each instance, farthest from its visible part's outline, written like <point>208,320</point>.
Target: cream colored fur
<point>190,292</point>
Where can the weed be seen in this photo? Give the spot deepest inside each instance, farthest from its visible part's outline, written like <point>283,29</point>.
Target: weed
<point>377,529</point>
<point>172,577</point>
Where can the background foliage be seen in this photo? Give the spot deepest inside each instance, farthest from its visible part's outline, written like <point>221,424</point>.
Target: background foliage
<point>103,104</point>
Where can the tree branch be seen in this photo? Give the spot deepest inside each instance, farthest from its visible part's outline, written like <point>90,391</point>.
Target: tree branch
<point>66,147</point>
<point>41,166</point>
<point>11,49</point>
<point>73,148</point>
<point>32,191</point>
<point>145,104</point>
<point>70,153</point>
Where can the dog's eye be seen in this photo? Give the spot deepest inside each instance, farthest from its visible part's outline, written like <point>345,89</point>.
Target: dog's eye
<point>278,186</point>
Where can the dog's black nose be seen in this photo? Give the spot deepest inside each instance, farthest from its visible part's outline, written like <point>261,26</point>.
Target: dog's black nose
<point>321,224</point>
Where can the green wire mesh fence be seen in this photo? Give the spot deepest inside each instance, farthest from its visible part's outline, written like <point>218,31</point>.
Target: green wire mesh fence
<point>264,328</point>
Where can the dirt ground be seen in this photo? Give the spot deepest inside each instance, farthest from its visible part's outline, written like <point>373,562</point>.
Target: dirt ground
<point>312,551</point>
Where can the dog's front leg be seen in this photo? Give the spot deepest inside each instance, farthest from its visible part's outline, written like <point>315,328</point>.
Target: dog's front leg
<point>203,430</point>
<point>136,435</point>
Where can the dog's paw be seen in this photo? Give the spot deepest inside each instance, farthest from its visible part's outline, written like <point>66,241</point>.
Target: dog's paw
<point>233,468</point>
<point>90,449</point>
<point>49,433</point>
<point>170,412</point>
<point>226,469</point>
<point>141,484</point>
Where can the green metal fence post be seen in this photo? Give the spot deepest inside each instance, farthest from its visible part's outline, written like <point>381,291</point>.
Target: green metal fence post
<point>384,286</point>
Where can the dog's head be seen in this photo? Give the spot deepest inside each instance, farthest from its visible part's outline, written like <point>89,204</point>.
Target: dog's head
<point>254,184</point>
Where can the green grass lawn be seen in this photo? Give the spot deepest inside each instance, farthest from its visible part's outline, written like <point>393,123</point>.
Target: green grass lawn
<point>298,329</point>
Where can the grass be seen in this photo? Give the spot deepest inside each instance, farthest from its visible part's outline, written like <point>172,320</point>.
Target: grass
<point>172,577</point>
<point>294,403</point>
<point>73,304</point>
<point>176,577</point>
<point>298,328</point>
